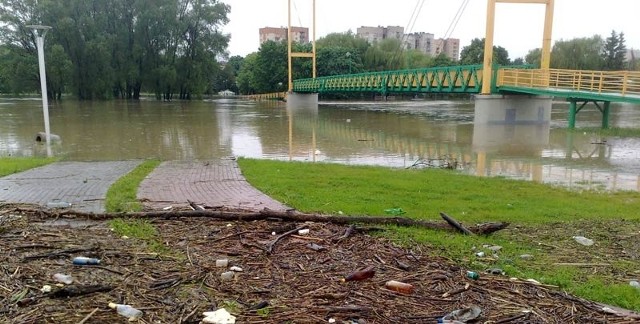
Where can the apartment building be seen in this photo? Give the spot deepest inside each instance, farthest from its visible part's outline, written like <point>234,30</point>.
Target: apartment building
<point>376,34</point>
<point>421,41</point>
<point>449,47</point>
<point>277,34</point>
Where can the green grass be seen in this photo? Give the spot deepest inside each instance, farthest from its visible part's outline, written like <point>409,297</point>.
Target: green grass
<point>134,228</point>
<point>423,194</point>
<point>543,219</point>
<point>9,165</point>
<point>121,196</point>
<point>140,229</point>
<point>615,132</point>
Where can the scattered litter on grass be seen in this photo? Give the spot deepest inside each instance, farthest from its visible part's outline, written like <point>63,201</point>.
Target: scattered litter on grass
<point>175,278</point>
<point>394,211</point>
<point>583,240</point>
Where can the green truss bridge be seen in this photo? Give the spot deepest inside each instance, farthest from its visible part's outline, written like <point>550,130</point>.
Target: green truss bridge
<point>616,86</point>
<point>577,86</point>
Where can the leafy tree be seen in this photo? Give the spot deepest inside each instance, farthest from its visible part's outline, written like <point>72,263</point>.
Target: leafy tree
<point>443,60</point>
<point>247,83</point>
<point>614,51</point>
<point>414,59</point>
<point>534,57</point>
<point>117,48</point>
<point>59,69</point>
<point>19,70</point>
<point>338,60</point>
<point>518,61</point>
<point>384,55</point>
<point>474,53</point>
<point>271,69</point>
<point>633,62</point>
<point>346,40</point>
<point>341,53</point>
<point>578,54</point>
<point>226,79</point>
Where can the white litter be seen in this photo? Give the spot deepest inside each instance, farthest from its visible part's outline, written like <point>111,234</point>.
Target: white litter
<point>583,240</point>
<point>221,316</point>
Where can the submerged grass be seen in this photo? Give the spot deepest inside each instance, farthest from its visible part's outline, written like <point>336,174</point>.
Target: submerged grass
<point>121,196</point>
<point>614,132</point>
<point>10,165</point>
<point>537,245</point>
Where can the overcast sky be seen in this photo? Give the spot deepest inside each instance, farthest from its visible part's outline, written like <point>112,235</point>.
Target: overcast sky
<point>518,26</point>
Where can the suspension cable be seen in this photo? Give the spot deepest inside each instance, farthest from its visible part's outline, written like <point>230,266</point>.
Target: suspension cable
<point>456,19</point>
<point>412,22</point>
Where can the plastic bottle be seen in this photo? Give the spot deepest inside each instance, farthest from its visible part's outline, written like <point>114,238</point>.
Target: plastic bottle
<point>85,261</point>
<point>473,275</point>
<point>222,263</point>
<point>583,240</point>
<point>359,275</point>
<point>634,284</point>
<point>64,278</point>
<point>461,315</point>
<point>126,311</point>
<point>227,275</point>
<point>401,287</point>
<point>58,204</point>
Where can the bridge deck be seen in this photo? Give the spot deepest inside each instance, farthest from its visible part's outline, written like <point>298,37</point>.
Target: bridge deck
<point>614,86</point>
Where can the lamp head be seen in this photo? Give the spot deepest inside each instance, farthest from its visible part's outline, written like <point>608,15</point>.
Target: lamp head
<point>39,30</point>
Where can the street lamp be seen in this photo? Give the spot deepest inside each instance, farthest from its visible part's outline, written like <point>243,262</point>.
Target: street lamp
<point>349,59</point>
<point>39,32</point>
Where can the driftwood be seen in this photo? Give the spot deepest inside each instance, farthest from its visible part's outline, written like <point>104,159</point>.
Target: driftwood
<point>274,242</point>
<point>194,205</point>
<point>268,214</point>
<point>455,224</point>
<point>73,290</point>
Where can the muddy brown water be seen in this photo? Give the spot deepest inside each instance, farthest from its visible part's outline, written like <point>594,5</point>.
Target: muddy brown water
<point>394,134</point>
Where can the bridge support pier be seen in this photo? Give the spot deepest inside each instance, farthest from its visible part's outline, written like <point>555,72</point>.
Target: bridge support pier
<point>302,100</point>
<point>574,110</point>
<point>512,110</point>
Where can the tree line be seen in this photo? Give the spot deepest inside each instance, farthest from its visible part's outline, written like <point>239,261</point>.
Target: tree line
<point>344,53</point>
<point>101,49</point>
<point>174,48</point>
<point>338,53</point>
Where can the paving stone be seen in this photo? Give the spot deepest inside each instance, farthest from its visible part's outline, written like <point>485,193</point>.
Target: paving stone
<point>83,184</point>
<point>210,183</point>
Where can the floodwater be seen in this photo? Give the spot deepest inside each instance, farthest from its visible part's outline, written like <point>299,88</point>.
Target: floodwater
<point>395,134</point>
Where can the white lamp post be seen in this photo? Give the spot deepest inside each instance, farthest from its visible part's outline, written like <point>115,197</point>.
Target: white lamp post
<point>39,32</point>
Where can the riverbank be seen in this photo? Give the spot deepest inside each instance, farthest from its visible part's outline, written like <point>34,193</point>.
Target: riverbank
<point>539,244</point>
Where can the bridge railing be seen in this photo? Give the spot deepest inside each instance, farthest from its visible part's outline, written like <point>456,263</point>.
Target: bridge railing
<point>624,83</point>
<point>448,79</point>
<point>267,96</point>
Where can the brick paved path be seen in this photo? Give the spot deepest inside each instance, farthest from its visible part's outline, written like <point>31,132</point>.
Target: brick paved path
<point>83,184</point>
<point>212,183</point>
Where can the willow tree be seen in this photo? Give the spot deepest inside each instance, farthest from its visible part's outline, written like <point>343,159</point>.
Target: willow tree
<point>119,48</point>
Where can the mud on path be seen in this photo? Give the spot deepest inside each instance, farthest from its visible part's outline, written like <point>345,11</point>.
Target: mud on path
<point>298,283</point>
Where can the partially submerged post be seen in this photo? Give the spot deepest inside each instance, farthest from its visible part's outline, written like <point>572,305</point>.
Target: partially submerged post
<point>39,32</point>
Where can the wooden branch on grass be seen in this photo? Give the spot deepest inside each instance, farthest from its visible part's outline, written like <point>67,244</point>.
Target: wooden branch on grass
<point>455,224</point>
<point>268,214</point>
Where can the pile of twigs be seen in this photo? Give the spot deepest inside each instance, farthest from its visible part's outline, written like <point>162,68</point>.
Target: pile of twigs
<point>285,276</point>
